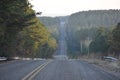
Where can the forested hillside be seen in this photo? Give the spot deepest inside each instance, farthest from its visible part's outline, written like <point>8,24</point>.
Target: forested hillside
<point>95,18</point>
<point>21,32</point>
<point>52,25</point>
<point>84,27</point>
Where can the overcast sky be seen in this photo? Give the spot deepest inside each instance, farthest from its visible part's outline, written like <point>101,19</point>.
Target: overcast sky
<point>67,7</point>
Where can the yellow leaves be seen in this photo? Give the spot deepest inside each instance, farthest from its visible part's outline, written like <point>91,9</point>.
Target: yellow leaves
<point>37,33</point>
<point>52,43</point>
<point>36,44</point>
<point>35,36</point>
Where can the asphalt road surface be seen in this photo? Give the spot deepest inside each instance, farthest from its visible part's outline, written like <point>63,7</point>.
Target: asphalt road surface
<point>72,70</point>
<point>54,70</point>
<point>16,70</point>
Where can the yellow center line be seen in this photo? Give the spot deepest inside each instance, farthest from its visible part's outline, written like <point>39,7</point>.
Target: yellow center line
<point>32,74</point>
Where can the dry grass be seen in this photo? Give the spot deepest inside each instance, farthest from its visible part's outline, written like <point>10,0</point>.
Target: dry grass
<point>113,67</point>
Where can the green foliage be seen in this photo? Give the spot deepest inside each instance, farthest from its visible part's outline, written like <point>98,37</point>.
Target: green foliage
<point>115,39</point>
<point>35,41</point>
<point>13,18</point>
<point>48,49</point>
<point>99,44</point>
<point>81,35</point>
<point>84,25</point>
<point>94,18</point>
<point>21,33</point>
<point>52,24</point>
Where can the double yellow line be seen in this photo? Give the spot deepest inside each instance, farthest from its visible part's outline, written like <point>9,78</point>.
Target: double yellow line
<point>32,74</point>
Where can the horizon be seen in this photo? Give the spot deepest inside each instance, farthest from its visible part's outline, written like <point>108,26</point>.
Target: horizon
<point>79,12</point>
<point>55,8</point>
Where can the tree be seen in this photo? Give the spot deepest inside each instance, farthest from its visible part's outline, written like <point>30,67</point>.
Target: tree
<point>48,49</point>
<point>100,44</point>
<point>21,33</point>
<point>14,16</point>
<point>115,40</point>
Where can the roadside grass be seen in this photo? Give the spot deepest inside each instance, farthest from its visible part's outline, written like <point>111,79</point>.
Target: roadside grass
<point>109,66</point>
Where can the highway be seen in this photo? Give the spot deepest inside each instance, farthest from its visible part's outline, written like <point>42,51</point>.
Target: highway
<point>59,68</point>
<point>16,70</point>
<point>73,70</point>
<point>54,70</point>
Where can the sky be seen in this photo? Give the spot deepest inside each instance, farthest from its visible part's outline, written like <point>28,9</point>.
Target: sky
<point>66,7</point>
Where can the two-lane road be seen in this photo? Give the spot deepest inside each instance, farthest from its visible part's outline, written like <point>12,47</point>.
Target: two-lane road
<point>16,70</point>
<point>73,70</point>
<point>55,70</point>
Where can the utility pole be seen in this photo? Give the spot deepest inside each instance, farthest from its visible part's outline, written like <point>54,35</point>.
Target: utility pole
<point>88,45</point>
<point>88,50</point>
<point>81,47</point>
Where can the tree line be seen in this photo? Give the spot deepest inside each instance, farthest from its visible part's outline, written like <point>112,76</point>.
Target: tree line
<point>87,29</point>
<point>91,32</point>
<point>101,41</point>
<point>21,32</point>
<point>107,42</point>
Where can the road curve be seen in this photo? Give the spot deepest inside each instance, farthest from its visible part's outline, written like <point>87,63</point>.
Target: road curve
<point>72,70</point>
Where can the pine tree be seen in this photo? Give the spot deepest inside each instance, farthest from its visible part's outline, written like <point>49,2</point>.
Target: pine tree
<point>115,40</point>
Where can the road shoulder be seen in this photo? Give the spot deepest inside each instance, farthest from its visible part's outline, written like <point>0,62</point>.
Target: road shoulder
<point>110,67</point>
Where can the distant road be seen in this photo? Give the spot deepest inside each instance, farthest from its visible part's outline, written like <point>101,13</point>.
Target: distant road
<point>55,70</point>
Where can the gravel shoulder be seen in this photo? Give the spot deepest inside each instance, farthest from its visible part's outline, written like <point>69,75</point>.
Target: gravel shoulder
<point>110,67</point>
